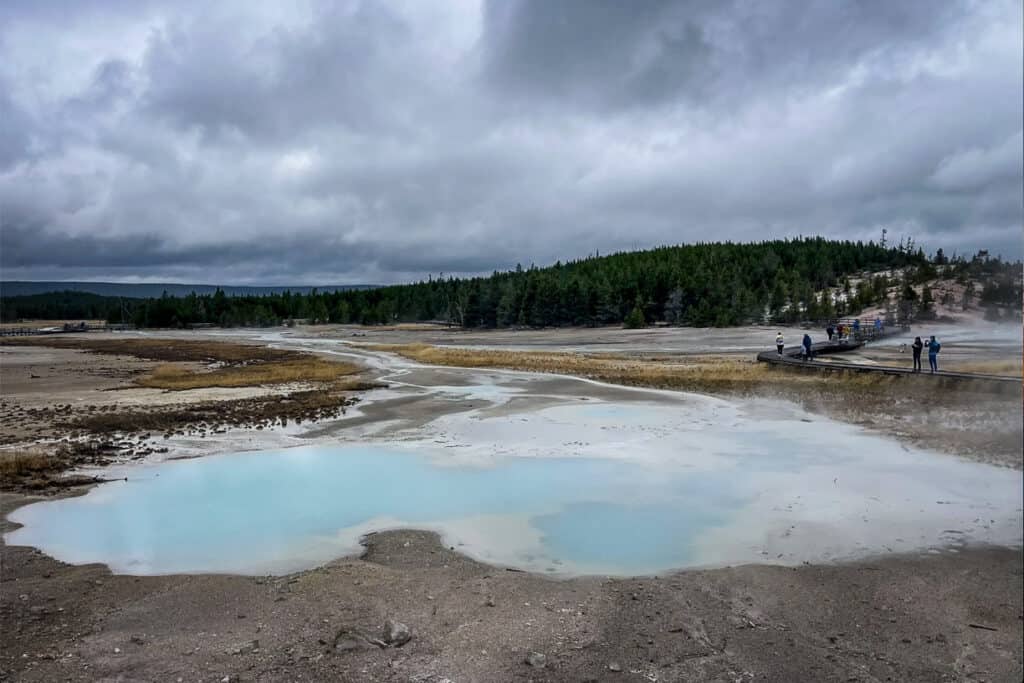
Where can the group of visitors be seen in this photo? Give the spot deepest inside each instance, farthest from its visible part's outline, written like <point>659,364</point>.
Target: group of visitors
<point>933,353</point>
<point>842,332</point>
<point>807,347</point>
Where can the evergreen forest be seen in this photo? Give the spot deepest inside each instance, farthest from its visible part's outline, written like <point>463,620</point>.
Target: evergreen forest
<point>708,284</point>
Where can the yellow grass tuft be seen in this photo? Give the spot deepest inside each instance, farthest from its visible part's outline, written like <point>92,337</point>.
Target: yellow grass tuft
<point>1009,367</point>
<point>24,463</point>
<point>309,369</point>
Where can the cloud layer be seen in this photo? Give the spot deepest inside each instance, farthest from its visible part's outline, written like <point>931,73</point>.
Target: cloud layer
<point>378,142</point>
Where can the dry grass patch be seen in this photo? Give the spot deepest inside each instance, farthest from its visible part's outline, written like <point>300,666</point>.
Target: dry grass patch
<point>166,350</point>
<point>1010,367</point>
<point>37,472</point>
<point>303,370</point>
<point>201,418</point>
<point>232,365</point>
<point>694,373</point>
<point>20,464</point>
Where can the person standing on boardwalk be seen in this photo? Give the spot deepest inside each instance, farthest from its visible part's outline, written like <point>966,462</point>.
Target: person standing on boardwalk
<point>916,348</point>
<point>830,331</point>
<point>933,354</point>
<point>780,343</point>
<point>807,347</point>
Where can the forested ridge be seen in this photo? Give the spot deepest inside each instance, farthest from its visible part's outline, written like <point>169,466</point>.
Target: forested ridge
<point>708,284</point>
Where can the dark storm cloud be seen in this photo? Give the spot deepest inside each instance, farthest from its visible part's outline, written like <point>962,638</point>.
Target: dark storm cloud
<point>31,246</point>
<point>342,70</point>
<point>372,142</point>
<point>632,55</point>
<point>14,143</point>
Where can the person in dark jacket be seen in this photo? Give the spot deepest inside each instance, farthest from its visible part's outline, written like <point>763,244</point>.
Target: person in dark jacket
<point>933,353</point>
<point>830,331</point>
<point>916,348</point>
<point>807,347</point>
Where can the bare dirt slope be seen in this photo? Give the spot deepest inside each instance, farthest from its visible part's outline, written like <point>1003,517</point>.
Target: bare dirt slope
<point>952,616</point>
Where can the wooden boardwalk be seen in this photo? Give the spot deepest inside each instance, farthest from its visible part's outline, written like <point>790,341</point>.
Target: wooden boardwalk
<point>26,331</point>
<point>792,357</point>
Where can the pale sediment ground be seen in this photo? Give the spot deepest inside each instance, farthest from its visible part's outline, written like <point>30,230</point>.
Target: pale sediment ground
<point>978,426</point>
<point>955,612</point>
<point>971,339</point>
<point>37,376</point>
<point>83,402</point>
<point>37,380</point>
<point>955,419</point>
<point>43,386</point>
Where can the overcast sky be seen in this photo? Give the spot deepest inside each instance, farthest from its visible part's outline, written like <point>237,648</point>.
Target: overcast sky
<point>331,142</point>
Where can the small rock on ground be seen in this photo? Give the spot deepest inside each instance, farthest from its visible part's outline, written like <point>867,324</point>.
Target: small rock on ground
<point>396,634</point>
<point>536,660</point>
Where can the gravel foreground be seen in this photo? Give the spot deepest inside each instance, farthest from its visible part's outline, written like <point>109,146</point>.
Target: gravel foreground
<point>954,614</point>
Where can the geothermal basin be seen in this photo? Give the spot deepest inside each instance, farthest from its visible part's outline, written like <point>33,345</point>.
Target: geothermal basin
<point>578,487</point>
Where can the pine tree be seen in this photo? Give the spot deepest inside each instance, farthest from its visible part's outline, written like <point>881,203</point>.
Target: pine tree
<point>926,310</point>
<point>635,319</point>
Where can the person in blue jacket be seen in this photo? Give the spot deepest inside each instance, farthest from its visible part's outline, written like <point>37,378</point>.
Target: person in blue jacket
<point>807,347</point>
<point>933,353</point>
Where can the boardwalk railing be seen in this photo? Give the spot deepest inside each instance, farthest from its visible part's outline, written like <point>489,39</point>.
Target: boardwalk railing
<point>793,357</point>
<point>859,329</point>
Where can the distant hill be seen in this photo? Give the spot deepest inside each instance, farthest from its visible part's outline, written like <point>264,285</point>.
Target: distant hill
<point>148,290</point>
<point>707,284</point>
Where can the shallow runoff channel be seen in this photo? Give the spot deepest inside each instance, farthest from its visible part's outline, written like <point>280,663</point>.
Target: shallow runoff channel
<point>544,473</point>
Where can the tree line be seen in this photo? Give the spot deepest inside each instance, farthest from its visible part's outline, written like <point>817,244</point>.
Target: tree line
<point>707,284</point>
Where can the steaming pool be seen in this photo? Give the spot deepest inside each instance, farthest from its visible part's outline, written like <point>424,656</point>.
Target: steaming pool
<point>586,488</point>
